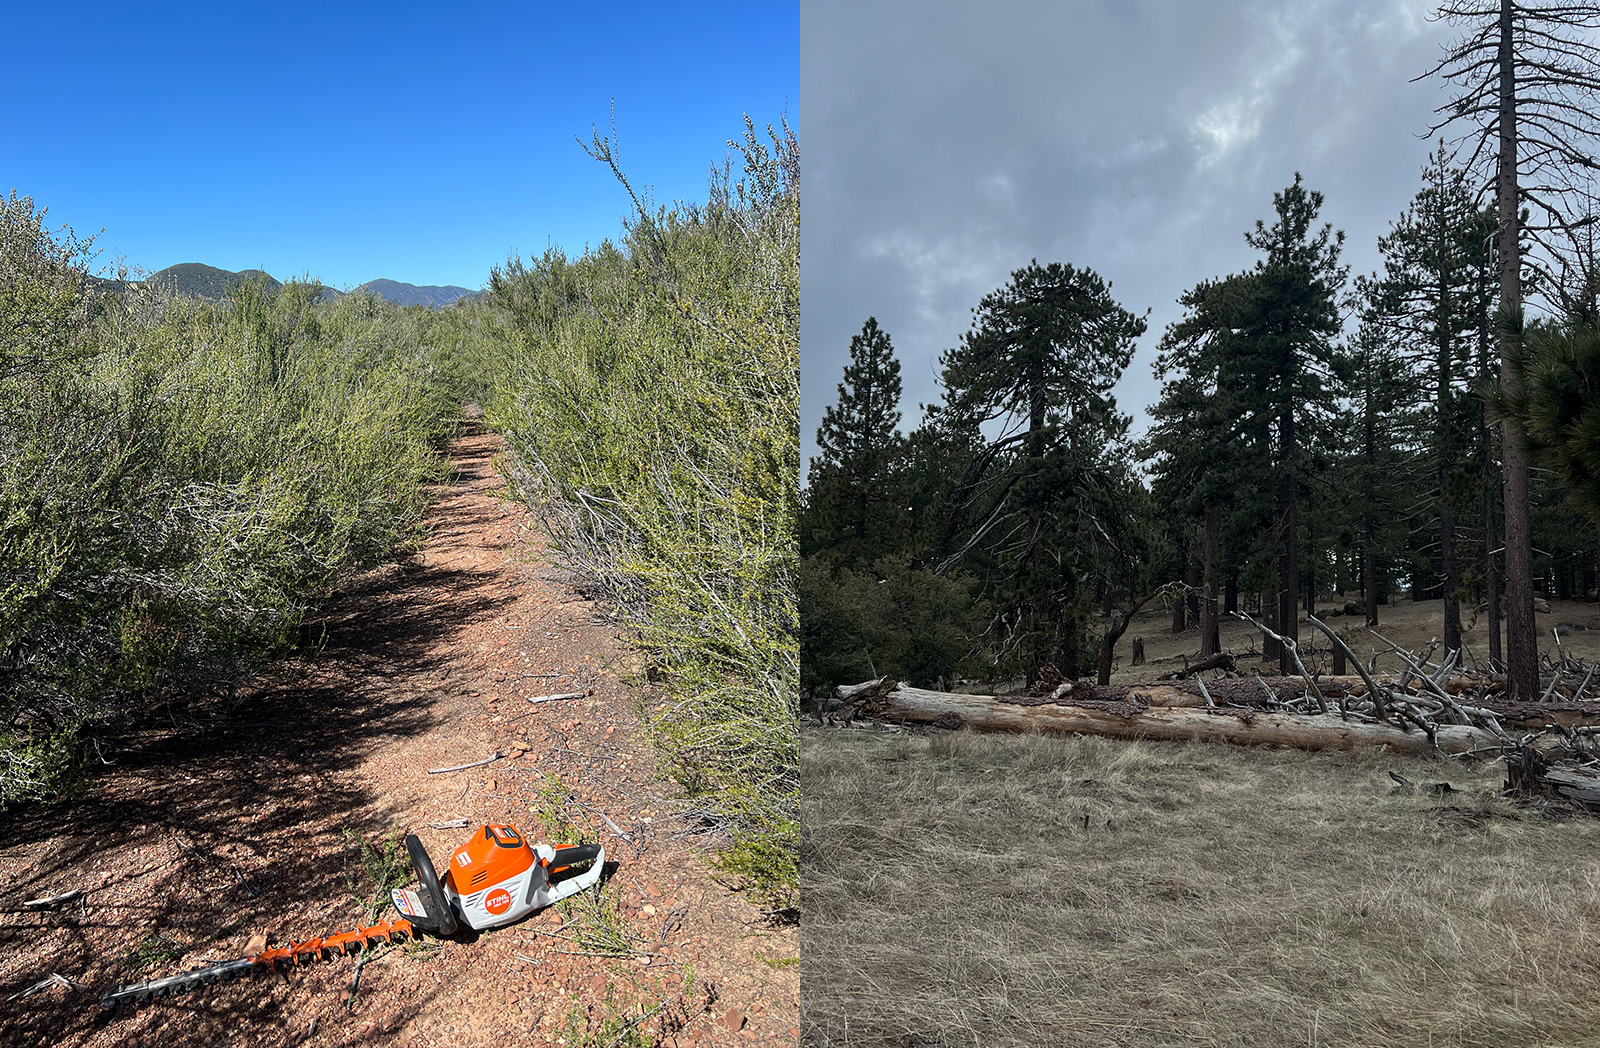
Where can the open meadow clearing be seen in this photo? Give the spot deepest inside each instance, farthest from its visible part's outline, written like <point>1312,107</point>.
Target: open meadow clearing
<point>965,889</point>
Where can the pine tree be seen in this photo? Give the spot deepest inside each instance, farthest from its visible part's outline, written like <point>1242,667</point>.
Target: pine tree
<point>1288,352</point>
<point>856,444</point>
<point>1383,451</point>
<point>1209,459</point>
<point>1528,77</point>
<point>1036,368</point>
<point>1430,302</point>
<point>1558,406</point>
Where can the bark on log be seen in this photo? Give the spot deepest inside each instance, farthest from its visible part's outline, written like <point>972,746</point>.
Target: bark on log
<point>1218,661</point>
<point>1528,773</point>
<point>1170,723</point>
<point>1573,785</point>
<point>864,690</point>
<point>1237,691</point>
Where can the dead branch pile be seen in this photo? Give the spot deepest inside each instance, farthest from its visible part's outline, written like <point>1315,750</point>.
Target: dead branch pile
<point>1549,746</point>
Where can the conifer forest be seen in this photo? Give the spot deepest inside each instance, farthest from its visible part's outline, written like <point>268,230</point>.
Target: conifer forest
<point>1322,439</point>
<point>1263,710</point>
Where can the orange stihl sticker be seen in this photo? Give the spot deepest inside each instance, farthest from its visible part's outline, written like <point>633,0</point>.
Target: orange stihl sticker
<point>497,901</point>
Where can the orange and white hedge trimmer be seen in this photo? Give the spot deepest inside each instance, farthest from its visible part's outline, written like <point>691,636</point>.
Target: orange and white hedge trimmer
<point>494,879</point>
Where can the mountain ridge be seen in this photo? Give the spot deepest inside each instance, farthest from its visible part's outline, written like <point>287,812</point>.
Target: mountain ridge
<point>433,296</point>
<point>203,281</point>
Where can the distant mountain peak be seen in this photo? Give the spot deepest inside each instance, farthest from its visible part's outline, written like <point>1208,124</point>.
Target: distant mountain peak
<point>203,281</point>
<point>434,296</point>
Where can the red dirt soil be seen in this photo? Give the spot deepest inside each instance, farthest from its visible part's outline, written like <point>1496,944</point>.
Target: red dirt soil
<point>221,826</point>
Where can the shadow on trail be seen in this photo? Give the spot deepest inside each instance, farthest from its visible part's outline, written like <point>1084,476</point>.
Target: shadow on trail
<point>231,822</point>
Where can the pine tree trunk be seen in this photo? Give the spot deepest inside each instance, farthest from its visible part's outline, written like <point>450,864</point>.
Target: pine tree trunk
<point>1491,572</point>
<point>1180,606</point>
<point>1070,625</point>
<point>1311,564</point>
<point>1522,652</point>
<point>1210,641</point>
<point>1289,540</point>
<point>1108,646</point>
<point>1230,594</point>
<point>1270,648</point>
<point>1486,491</point>
<point>1369,575</point>
<point>1452,578</point>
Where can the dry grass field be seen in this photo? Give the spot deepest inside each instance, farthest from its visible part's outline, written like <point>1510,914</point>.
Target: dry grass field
<point>964,890</point>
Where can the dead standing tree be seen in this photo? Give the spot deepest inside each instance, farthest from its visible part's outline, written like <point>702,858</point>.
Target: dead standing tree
<point>1528,88</point>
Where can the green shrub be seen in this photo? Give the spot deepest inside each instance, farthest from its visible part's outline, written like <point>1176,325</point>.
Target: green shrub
<point>181,481</point>
<point>650,394</point>
<point>891,619</point>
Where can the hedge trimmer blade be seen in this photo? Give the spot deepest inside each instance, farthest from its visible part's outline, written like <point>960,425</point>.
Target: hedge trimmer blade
<point>266,960</point>
<point>177,983</point>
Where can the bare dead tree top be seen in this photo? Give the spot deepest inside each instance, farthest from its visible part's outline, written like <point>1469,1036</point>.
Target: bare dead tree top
<point>1555,82</point>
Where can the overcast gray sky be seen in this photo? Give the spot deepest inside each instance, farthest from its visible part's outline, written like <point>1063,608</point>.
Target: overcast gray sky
<point>949,143</point>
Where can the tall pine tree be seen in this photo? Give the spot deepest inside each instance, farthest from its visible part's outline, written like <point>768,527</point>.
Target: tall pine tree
<point>1262,343</point>
<point>1430,298</point>
<point>857,443</point>
<point>1034,373</point>
<point>1290,352</point>
<point>1210,458</point>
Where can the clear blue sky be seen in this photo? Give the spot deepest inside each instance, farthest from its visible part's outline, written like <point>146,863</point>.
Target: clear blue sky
<point>417,142</point>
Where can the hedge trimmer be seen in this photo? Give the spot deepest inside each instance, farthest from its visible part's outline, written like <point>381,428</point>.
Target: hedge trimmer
<point>494,879</point>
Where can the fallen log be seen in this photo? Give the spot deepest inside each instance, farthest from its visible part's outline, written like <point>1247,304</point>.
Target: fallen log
<point>1237,691</point>
<point>1573,784</point>
<point>1129,719</point>
<point>1528,772</point>
<point>1220,661</point>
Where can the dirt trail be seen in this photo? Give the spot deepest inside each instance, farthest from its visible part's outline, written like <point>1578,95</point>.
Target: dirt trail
<point>207,832</point>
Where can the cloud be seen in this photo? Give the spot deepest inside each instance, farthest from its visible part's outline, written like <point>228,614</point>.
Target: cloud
<point>947,145</point>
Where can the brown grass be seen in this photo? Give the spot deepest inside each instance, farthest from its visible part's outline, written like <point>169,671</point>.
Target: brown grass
<point>964,890</point>
<point>1407,623</point>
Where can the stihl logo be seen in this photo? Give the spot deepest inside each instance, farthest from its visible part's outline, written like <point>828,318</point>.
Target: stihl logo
<point>497,901</point>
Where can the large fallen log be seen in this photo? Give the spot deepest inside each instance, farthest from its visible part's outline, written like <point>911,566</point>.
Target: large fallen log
<point>1253,691</point>
<point>1132,717</point>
